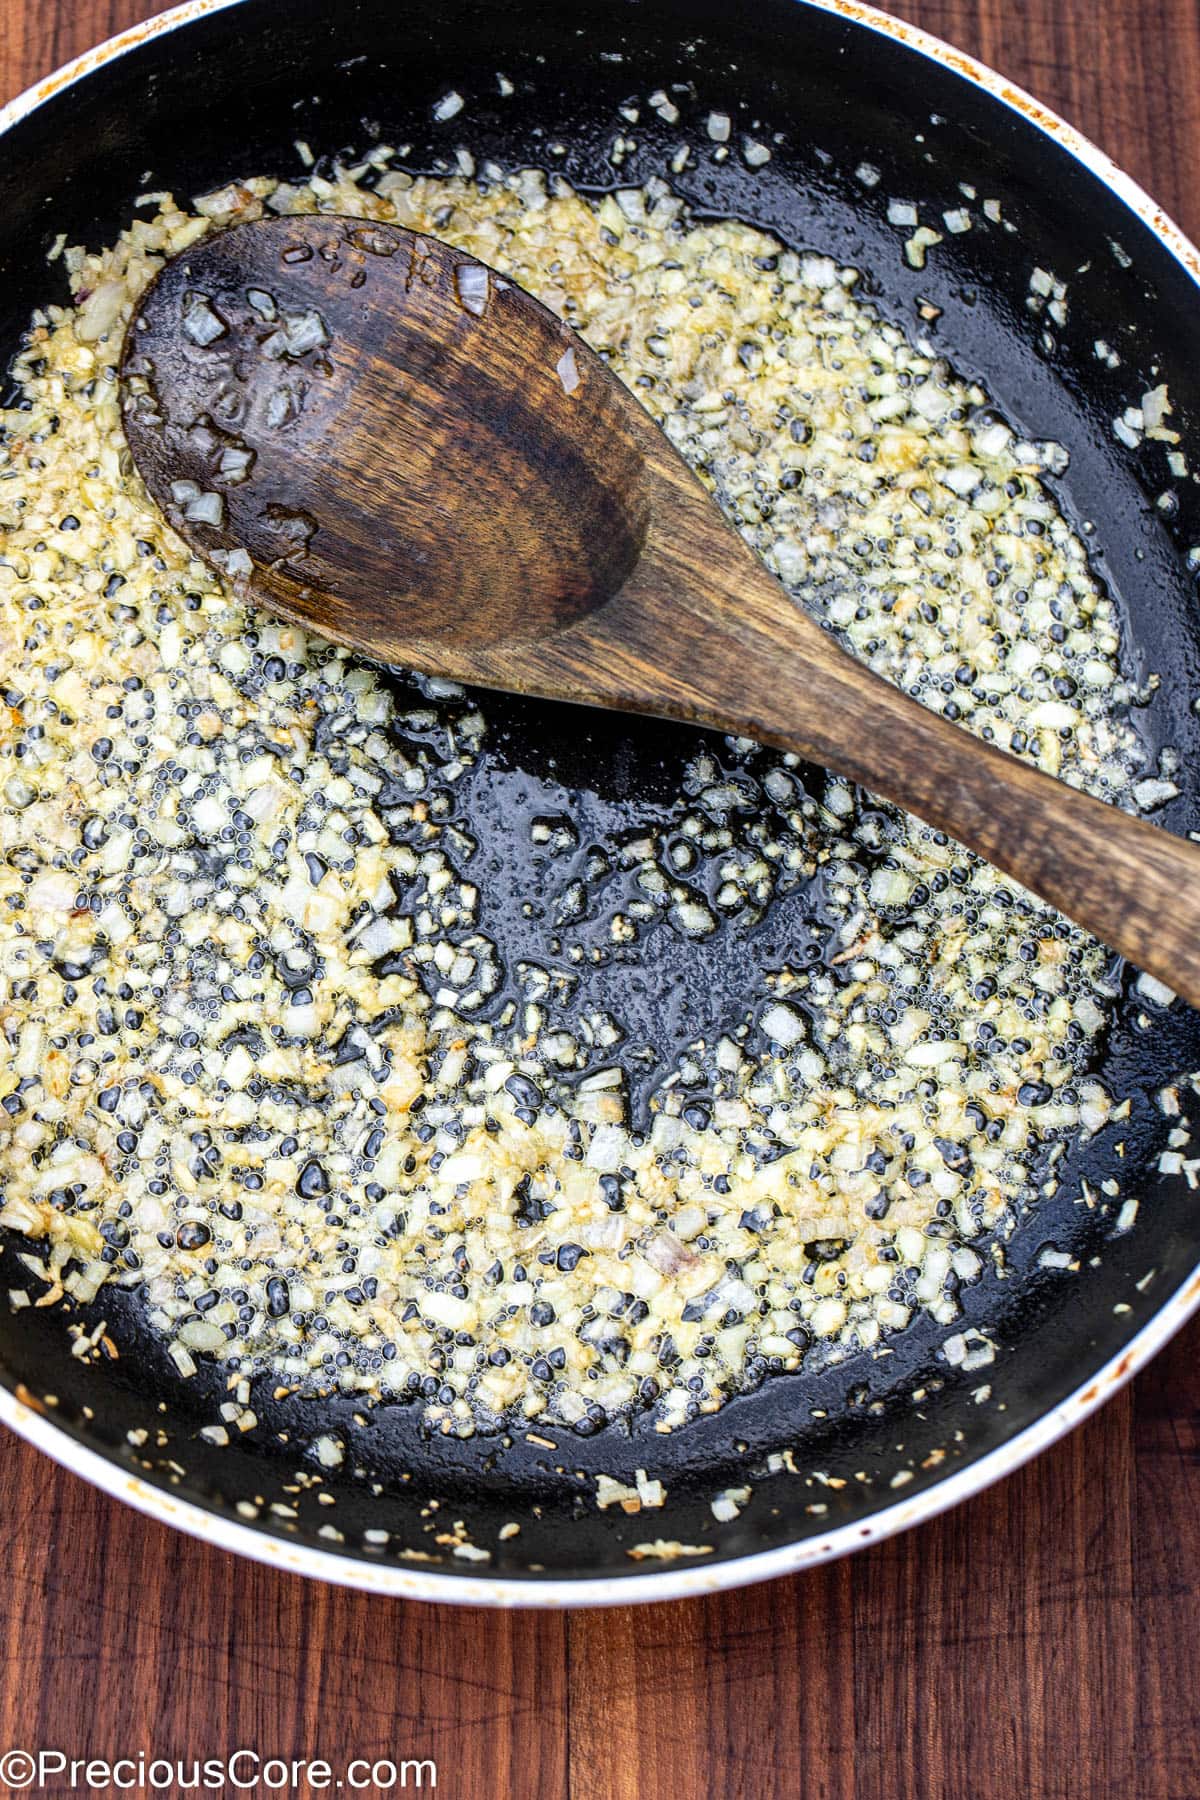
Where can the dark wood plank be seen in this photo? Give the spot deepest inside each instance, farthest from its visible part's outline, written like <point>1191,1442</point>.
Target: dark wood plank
<point>748,1695</point>
<point>995,1648</point>
<point>1167,1444</point>
<point>1034,1643</point>
<point>1126,72</point>
<point>39,36</point>
<point>116,1633</point>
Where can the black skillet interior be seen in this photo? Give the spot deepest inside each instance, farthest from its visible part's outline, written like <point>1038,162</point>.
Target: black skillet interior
<point>227,95</point>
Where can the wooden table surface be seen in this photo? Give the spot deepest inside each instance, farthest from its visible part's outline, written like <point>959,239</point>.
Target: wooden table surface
<point>1034,1644</point>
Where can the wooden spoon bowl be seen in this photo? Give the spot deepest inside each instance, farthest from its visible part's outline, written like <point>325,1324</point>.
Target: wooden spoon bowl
<point>502,499</point>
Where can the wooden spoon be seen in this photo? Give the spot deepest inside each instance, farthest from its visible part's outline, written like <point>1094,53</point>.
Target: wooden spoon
<point>377,437</point>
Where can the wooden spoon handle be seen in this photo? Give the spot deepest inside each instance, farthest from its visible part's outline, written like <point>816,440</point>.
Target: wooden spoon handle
<point>755,664</point>
<point>1133,885</point>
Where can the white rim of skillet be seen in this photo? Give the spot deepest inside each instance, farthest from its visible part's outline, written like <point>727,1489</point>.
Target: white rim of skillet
<point>685,1578</point>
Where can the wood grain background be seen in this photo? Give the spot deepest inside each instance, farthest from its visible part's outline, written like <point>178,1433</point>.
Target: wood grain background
<point>1036,1644</point>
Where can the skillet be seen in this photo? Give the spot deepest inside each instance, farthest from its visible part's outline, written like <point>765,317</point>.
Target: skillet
<point>213,91</point>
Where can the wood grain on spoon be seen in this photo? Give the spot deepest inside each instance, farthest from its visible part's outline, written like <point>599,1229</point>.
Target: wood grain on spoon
<point>406,451</point>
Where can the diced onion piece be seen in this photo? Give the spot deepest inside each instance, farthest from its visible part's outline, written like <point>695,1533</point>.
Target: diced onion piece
<point>567,370</point>
<point>205,509</point>
<point>471,281</point>
<point>202,324</point>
